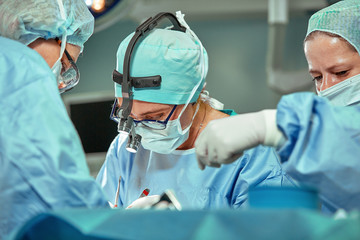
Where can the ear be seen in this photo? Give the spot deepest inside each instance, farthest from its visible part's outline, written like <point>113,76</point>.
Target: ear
<point>197,101</point>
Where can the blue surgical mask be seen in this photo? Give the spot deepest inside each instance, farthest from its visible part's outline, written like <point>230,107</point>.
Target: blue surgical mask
<point>56,68</point>
<point>345,93</point>
<point>167,140</point>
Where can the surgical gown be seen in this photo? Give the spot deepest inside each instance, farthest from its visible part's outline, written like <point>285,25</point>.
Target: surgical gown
<point>322,148</point>
<point>224,187</point>
<point>42,163</point>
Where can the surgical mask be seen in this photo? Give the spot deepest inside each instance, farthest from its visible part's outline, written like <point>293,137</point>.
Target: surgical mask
<point>56,68</point>
<point>345,93</point>
<point>167,140</point>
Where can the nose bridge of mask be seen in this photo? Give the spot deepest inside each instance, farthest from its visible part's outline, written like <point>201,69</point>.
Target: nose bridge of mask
<point>322,84</point>
<point>193,36</point>
<point>326,79</point>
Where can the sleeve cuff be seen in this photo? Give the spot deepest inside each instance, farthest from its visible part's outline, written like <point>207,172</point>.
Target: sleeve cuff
<point>273,136</point>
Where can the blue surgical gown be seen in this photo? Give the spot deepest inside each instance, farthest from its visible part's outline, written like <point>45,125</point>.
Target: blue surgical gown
<point>42,163</point>
<point>322,148</point>
<point>195,189</point>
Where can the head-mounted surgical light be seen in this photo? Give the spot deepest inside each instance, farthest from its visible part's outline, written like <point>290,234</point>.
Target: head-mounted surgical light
<point>125,122</point>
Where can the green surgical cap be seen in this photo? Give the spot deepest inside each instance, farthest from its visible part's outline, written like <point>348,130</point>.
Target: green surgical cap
<point>27,20</point>
<point>342,18</point>
<point>173,55</point>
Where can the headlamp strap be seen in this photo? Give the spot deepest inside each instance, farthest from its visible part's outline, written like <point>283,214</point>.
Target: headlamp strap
<point>138,82</point>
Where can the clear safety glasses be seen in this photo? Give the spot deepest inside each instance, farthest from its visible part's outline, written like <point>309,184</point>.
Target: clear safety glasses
<point>70,75</point>
<point>68,78</point>
<point>150,123</point>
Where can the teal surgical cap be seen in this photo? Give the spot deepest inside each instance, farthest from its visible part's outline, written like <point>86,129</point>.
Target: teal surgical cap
<point>27,20</point>
<point>342,18</point>
<point>173,55</point>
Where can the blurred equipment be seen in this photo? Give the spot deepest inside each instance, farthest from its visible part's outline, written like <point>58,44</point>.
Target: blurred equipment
<point>108,12</point>
<point>278,79</point>
<point>215,9</point>
<point>87,110</point>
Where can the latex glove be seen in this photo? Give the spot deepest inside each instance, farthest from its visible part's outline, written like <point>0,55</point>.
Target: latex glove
<point>150,202</point>
<point>224,140</point>
<point>144,202</point>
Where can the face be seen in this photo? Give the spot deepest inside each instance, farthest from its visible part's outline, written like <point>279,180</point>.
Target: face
<point>156,111</point>
<point>331,60</point>
<point>50,51</point>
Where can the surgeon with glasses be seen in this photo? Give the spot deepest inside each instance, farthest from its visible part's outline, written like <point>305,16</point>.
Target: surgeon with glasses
<point>42,163</point>
<point>168,118</point>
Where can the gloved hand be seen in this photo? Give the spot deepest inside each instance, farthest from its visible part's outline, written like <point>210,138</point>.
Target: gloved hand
<point>150,202</point>
<point>144,202</point>
<point>224,140</point>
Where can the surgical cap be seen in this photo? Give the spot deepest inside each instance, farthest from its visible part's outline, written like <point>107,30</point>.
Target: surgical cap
<point>173,55</point>
<point>27,20</point>
<point>342,18</point>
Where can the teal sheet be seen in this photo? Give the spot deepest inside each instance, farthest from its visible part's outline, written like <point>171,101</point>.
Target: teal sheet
<point>166,224</point>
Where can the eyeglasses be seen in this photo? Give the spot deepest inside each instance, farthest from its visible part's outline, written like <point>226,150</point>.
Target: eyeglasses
<point>150,123</point>
<point>70,78</point>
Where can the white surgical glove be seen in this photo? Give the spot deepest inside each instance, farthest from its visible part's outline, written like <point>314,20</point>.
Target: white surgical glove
<point>224,140</point>
<point>150,202</point>
<point>144,202</point>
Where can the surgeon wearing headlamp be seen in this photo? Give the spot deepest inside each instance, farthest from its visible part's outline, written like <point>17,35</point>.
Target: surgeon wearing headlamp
<point>169,117</point>
<point>42,163</point>
<point>317,137</point>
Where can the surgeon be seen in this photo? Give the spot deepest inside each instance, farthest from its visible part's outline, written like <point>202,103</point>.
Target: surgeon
<point>169,119</point>
<point>317,137</point>
<point>42,163</point>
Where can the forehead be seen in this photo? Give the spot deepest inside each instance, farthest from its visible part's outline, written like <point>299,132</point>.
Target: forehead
<point>324,49</point>
<point>327,44</point>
